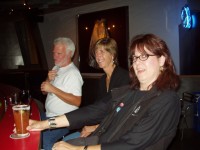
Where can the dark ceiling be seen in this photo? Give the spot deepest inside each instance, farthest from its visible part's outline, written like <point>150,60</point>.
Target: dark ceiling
<point>10,7</point>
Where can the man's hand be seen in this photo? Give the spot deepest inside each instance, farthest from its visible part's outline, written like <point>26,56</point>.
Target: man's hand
<point>51,75</point>
<point>46,86</point>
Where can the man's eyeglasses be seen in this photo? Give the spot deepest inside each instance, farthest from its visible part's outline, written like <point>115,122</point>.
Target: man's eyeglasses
<point>142,57</point>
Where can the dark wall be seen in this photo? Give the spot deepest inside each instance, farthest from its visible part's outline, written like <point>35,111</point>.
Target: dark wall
<point>189,41</point>
<point>20,43</point>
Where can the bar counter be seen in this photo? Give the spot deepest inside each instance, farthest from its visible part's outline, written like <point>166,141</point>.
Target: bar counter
<point>6,129</point>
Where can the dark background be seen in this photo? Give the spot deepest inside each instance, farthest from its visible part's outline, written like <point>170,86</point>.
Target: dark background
<point>189,43</point>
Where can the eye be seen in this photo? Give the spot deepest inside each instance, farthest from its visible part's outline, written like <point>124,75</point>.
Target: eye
<point>102,51</point>
<point>143,56</point>
<point>97,52</point>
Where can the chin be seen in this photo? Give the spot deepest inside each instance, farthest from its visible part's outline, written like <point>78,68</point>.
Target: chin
<point>57,64</point>
<point>140,78</point>
<point>100,66</point>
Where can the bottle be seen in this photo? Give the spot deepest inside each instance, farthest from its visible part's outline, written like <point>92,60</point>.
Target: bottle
<point>25,97</point>
<point>5,104</point>
<point>15,99</point>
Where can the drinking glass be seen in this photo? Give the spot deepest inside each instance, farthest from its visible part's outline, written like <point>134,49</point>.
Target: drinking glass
<point>21,118</point>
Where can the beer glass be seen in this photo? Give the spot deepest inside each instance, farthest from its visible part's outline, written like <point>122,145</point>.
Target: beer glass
<point>21,117</point>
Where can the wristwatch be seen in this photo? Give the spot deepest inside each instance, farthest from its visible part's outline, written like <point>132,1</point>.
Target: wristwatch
<point>52,123</point>
<point>85,147</point>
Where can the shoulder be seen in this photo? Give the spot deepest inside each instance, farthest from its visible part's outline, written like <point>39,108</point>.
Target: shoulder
<point>73,69</point>
<point>166,94</point>
<point>121,75</point>
<point>122,70</point>
<point>71,72</point>
<point>167,98</point>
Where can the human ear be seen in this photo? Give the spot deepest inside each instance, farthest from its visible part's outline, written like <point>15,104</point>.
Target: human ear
<point>69,53</point>
<point>162,60</point>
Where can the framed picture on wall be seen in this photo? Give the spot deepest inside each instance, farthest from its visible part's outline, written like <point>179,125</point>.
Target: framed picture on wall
<point>116,23</point>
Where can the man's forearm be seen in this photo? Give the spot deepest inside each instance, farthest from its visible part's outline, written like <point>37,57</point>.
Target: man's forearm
<point>67,97</point>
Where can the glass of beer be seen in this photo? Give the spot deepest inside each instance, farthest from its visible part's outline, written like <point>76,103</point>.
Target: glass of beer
<point>21,117</point>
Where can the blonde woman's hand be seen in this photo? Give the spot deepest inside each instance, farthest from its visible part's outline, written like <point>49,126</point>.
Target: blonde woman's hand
<point>87,130</point>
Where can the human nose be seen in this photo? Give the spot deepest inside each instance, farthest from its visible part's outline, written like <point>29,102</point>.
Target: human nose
<point>55,56</point>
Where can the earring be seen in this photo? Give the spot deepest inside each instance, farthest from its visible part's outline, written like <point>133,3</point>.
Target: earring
<point>161,68</point>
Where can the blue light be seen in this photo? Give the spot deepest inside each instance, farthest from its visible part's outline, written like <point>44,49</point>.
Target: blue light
<point>194,21</point>
<point>186,17</point>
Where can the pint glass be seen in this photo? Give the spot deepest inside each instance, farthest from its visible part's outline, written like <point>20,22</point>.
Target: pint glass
<point>21,118</point>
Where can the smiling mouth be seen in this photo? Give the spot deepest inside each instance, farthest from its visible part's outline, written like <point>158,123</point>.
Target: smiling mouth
<point>99,61</point>
<point>140,71</point>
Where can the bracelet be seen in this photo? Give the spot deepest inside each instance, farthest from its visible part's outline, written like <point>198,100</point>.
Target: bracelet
<point>85,147</point>
<point>52,123</point>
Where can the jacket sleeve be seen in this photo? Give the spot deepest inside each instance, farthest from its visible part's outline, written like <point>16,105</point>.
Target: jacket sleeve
<point>160,120</point>
<point>90,115</point>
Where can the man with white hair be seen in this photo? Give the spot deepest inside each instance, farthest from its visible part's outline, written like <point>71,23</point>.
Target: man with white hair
<point>63,88</point>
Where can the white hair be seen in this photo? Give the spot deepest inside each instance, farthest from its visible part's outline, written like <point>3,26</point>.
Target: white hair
<point>67,42</point>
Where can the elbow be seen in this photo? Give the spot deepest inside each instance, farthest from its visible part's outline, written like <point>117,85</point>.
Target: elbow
<point>78,101</point>
<point>78,104</point>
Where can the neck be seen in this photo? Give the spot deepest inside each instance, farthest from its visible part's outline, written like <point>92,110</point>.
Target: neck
<point>109,70</point>
<point>145,87</point>
<point>65,64</point>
